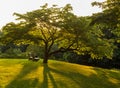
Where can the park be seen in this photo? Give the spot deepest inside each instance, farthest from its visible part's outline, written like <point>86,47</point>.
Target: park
<point>51,47</point>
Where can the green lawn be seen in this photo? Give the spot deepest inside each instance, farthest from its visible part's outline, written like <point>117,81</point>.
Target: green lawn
<point>21,73</point>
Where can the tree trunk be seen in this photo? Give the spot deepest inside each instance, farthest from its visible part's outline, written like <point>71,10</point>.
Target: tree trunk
<point>45,60</point>
<point>46,53</point>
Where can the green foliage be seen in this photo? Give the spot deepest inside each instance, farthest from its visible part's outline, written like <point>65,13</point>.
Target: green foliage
<point>13,53</point>
<point>110,15</point>
<point>58,30</point>
<point>108,21</point>
<point>35,49</point>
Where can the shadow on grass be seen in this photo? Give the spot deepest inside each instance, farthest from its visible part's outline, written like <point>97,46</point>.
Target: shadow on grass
<point>20,82</point>
<point>57,76</point>
<point>78,80</point>
<point>110,76</point>
<point>46,76</point>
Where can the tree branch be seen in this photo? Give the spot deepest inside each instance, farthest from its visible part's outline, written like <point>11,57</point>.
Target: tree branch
<point>62,50</point>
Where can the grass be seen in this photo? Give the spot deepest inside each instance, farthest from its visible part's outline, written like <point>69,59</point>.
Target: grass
<point>21,73</point>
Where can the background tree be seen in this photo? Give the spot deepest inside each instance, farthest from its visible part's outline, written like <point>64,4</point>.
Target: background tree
<point>109,23</point>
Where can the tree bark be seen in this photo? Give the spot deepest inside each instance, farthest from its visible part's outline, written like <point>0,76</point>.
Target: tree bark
<point>45,60</point>
<point>46,53</point>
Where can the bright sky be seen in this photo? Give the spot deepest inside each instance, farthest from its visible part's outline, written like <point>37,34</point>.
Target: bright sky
<point>8,7</point>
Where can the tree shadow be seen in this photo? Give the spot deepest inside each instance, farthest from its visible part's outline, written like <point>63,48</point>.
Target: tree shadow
<point>81,81</point>
<point>56,76</point>
<point>51,80</point>
<point>46,76</point>
<point>111,77</point>
<point>65,84</point>
<point>20,82</point>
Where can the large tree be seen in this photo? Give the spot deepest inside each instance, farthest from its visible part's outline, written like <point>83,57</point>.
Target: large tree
<point>58,30</point>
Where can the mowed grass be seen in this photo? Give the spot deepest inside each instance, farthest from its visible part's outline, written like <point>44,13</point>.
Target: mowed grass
<point>21,73</point>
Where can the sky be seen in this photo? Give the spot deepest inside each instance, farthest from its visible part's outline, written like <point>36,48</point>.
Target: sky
<point>8,7</point>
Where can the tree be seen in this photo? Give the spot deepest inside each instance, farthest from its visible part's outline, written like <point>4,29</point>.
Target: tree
<point>50,27</point>
<point>109,22</point>
<point>109,17</point>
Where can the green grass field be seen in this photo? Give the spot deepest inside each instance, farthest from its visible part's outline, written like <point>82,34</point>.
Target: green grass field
<point>21,73</point>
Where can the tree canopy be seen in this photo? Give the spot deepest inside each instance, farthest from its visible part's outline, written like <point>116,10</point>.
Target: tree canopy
<point>58,30</point>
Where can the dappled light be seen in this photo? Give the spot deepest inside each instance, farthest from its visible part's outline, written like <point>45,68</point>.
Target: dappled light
<point>84,70</point>
<point>9,73</point>
<point>115,70</point>
<point>113,80</point>
<point>14,74</point>
<point>56,74</point>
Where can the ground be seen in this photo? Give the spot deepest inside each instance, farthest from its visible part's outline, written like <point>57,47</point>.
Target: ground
<point>21,73</point>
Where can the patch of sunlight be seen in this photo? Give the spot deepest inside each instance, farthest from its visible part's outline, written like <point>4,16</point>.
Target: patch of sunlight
<point>68,67</point>
<point>113,80</point>
<point>7,74</point>
<point>115,70</point>
<point>87,70</point>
